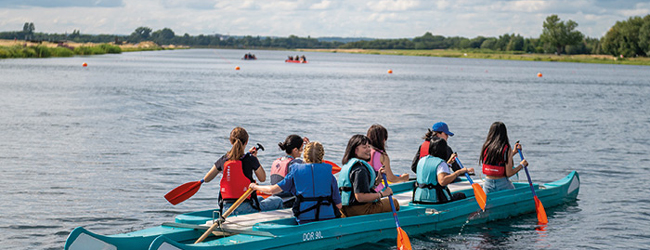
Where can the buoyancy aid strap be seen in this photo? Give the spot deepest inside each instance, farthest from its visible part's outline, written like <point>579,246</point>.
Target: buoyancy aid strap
<point>320,201</point>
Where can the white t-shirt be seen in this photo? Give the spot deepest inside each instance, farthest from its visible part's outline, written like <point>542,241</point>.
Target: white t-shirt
<point>443,168</point>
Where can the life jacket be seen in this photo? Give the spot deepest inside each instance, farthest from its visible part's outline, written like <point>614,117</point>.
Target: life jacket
<point>375,162</point>
<point>345,185</point>
<point>314,200</point>
<point>280,168</point>
<point>424,148</point>
<point>500,168</point>
<point>427,189</point>
<point>234,184</point>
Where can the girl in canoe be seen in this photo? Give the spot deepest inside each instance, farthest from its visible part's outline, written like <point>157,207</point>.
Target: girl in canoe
<point>434,174</point>
<point>315,188</point>
<point>238,168</point>
<point>496,159</point>
<point>357,181</point>
<point>292,146</point>
<point>378,136</point>
<point>439,129</point>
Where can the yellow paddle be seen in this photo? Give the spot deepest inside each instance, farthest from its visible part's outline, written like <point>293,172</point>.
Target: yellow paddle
<point>223,217</point>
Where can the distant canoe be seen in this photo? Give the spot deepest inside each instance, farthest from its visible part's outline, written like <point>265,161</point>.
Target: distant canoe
<point>294,61</point>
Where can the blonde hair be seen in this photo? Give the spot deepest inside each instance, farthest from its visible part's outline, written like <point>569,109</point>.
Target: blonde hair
<point>238,139</point>
<point>313,153</point>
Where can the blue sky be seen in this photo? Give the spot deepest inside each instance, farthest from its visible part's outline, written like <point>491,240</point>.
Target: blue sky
<point>317,18</point>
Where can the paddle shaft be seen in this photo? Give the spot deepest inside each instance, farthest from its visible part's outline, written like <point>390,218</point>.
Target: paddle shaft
<point>521,155</point>
<point>390,199</point>
<point>226,214</point>
<point>466,174</point>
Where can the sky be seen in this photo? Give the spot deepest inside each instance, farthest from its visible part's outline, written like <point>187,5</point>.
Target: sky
<point>317,18</point>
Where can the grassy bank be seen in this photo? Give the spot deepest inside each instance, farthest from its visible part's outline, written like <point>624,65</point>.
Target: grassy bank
<point>500,55</point>
<point>22,49</point>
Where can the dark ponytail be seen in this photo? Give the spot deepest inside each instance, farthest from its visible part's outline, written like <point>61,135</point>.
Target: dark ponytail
<point>292,141</point>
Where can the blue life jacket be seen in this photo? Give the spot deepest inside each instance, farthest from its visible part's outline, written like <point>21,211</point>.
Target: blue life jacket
<point>427,189</point>
<point>345,185</point>
<point>313,185</point>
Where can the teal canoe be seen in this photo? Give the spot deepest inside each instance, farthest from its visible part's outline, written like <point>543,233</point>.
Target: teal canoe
<point>278,229</point>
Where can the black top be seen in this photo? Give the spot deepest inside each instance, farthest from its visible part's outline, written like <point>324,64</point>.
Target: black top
<point>360,179</point>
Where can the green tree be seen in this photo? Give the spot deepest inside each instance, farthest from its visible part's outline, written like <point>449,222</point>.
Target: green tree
<point>559,34</point>
<point>624,38</point>
<point>140,34</point>
<point>644,35</point>
<point>516,43</point>
<point>28,30</point>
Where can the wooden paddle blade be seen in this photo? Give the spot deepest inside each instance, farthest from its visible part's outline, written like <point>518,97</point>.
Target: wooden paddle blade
<point>183,192</point>
<point>481,198</point>
<point>541,213</point>
<point>403,241</point>
<point>335,168</point>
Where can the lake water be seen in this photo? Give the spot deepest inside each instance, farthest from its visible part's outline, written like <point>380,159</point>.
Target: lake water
<point>99,146</point>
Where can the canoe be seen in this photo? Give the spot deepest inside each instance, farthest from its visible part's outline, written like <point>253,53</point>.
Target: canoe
<point>278,229</point>
<point>294,61</point>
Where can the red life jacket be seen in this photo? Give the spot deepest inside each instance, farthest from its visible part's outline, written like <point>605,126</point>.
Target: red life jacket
<point>500,168</point>
<point>233,182</point>
<point>280,168</point>
<point>424,148</point>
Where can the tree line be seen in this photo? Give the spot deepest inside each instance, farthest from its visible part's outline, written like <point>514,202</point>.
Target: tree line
<point>627,38</point>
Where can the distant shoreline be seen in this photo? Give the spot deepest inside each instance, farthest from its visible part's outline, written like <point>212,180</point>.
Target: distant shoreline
<point>28,49</point>
<point>602,59</point>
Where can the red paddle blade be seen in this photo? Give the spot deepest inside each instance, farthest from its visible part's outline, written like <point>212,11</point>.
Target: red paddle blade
<point>481,198</point>
<point>403,242</point>
<point>541,213</point>
<point>263,195</point>
<point>183,192</point>
<point>335,168</point>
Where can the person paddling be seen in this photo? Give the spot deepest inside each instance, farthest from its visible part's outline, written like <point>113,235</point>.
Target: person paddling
<point>378,136</point>
<point>496,159</point>
<point>315,188</point>
<point>441,130</point>
<point>238,169</point>
<point>434,174</point>
<point>357,181</point>
<point>292,146</point>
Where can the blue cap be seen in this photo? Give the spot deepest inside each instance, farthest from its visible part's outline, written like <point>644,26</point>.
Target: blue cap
<point>442,127</point>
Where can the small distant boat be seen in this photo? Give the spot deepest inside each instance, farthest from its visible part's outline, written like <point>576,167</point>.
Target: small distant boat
<point>294,61</point>
<point>249,57</point>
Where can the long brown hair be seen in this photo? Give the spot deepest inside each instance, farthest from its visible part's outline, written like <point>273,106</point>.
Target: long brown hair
<point>238,139</point>
<point>493,149</point>
<point>377,135</point>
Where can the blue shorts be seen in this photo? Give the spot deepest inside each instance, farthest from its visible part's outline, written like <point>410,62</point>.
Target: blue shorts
<point>493,185</point>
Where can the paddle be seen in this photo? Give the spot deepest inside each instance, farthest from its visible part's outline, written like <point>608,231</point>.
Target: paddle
<point>187,190</point>
<point>541,213</point>
<point>223,217</point>
<point>335,168</point>
<point>403,242</point>
<point>481,198</point>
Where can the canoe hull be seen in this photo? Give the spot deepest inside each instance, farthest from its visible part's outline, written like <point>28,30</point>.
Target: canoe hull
<point>272,233</point>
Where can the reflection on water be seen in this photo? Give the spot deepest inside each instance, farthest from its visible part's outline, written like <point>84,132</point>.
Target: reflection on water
<point>99,146</point>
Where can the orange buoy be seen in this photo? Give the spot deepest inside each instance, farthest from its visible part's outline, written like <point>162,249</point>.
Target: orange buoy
<point>84,65</point>
<point>237,68</point>
<point>390,71</point>
<point>539,74</point>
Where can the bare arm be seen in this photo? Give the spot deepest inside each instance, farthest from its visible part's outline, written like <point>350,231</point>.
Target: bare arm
<point>211,174</point>
<point>444,179</point>
<point>368,197</point>
<point>385,160</point>
<point>261,174</point>
<point>272,189</point>
<point>510,171</point>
